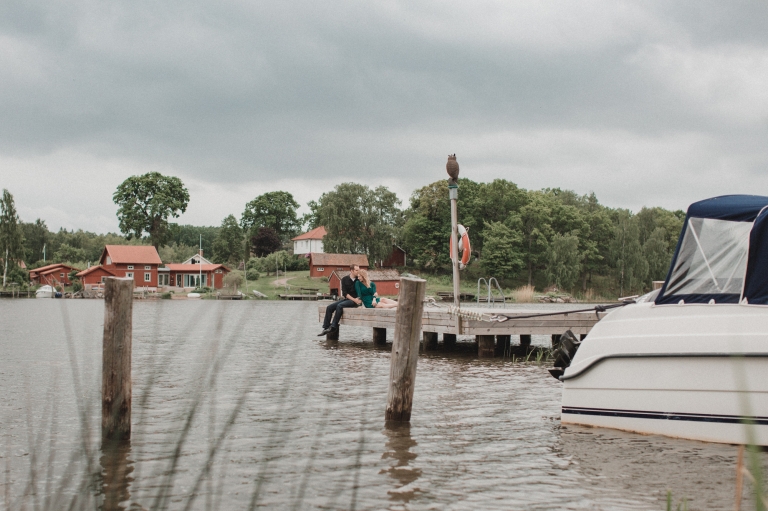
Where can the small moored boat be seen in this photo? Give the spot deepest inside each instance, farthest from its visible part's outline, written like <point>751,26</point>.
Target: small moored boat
<point>689,360</point>
<point>45,292</point>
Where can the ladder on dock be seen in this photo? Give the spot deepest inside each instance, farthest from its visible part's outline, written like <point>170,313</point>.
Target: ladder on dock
<point>490,296</point>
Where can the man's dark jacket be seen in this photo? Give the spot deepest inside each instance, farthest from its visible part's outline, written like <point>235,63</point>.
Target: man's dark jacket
<point>348,288</point>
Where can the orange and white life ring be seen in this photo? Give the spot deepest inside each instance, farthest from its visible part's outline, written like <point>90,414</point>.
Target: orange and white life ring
<point>464,247</point>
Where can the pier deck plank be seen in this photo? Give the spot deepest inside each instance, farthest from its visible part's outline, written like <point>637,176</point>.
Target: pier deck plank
<point>438,320</point>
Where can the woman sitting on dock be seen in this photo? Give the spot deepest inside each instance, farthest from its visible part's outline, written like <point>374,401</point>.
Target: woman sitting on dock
<point>366,291</point>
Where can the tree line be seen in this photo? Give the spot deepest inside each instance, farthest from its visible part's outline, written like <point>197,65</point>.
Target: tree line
<point>543,238</point>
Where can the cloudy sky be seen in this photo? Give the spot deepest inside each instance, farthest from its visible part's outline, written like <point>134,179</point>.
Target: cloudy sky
<point>644,103</point>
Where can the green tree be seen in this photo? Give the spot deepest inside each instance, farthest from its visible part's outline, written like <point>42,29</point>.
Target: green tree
<point>501,256</point>
<point>228,245</point>
<point>233,280</point>
<point>176,253</point>
<point>533,221</point>
<point>657,252</point>
<point>360,220</point>
<point>627,254</point>
<point>36,236</point>
<point>276,210</point>
<point>11,236</point>
<point>265,242</point>
<point>564,260</point>
<point>69,254</point>
<point>197,236</point>
<point>145,203</point>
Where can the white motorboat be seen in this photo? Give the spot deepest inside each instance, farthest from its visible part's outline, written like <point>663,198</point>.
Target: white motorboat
<point>44,292</point>
<point>691,359</point>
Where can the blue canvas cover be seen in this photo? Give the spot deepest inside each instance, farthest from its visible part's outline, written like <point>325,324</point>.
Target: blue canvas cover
<point>716,217</point>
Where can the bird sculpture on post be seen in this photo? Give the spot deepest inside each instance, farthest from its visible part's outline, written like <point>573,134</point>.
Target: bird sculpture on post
<point>453,169</point>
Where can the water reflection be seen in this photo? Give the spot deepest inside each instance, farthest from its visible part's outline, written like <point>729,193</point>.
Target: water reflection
<point>116,470</point>
<point>398,450</point>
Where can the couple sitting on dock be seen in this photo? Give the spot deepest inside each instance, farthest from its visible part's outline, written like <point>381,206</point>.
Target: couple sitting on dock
<point>356,289</point>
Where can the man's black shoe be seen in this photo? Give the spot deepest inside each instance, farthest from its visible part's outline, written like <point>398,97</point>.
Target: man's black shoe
<point>324,332</point>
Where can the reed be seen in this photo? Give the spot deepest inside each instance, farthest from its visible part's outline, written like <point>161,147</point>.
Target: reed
<point>524,294</point>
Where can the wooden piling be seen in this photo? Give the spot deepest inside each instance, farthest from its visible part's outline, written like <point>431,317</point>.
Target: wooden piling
<point>116,359</point>
<point>430,341</point>
<point>503,343</point>
<point>486,346</point>
<point>525,342</point>
<point>379,336</point>
<point>405,349</point>
<point>555,340</point>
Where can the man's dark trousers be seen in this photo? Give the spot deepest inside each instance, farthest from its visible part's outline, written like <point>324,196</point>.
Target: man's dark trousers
<point>338,308</point>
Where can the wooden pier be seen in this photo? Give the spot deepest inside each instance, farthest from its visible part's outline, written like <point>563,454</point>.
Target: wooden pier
<point>492,337</point>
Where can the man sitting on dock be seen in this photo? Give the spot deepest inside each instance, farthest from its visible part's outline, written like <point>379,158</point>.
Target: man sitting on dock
<point>348,299</point>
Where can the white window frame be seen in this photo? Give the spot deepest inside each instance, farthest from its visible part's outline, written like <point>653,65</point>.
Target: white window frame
<point>147,277</point>
<point>147,267</point>
<point>129,275</point>
<point>130,266</point>
<point>320,269</point>
<point>109,260</point>
<point>103,280</point>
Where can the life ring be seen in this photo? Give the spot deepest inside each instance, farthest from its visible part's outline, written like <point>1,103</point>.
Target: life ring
<point>464,247</point>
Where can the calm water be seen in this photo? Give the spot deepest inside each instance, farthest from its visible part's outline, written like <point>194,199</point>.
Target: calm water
<point>284,420</point>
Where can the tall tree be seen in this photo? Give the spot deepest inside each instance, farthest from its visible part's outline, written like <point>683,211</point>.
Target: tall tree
<point>36,236</point>
<point>11,236</point>
<point>564,260</point>
<point>265,242</point>
<point>276,210</point>
<point>360,220</point>
<point>501,255</point>
<point>627,253</point>
<point>228,245</point>
<point>145,203</point>
<point>533,221</point>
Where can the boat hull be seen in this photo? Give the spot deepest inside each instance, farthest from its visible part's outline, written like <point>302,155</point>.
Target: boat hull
<point>695,372</point>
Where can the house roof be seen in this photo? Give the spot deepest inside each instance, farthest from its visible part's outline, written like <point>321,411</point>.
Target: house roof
<point>195,267</point>
<point>50,268</point>
<point>196,257</point>
<point>374,275</point>
<point>315,234</point>
<point>93,269</point>
<point>131,254</point>
<point>322,259</point>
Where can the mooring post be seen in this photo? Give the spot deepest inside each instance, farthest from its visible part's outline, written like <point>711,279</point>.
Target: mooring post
<point>486,346</point>
<point>405,349</point>
<point>116,359</point>
<point>430,341</point>
<point>379,336</point>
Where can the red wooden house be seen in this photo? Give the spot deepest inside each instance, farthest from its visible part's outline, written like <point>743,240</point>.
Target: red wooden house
<point>387,281</point>
<point>322,265</point>
<point>53,274</point>
<point>190,275</point>
<point>137,262</point>
<point>397,257</point>
<point>94,276</point>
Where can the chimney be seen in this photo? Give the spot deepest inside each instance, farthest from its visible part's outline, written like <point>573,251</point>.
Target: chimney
<point>199,252</point>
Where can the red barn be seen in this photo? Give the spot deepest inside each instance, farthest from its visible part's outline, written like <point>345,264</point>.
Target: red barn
<point>94,276</point>
<point>397,257</point>
<point>137,262</point>
<point>322,265</point>
<point>189,275</point>
<point>387,281</point>
<point>53,274</point>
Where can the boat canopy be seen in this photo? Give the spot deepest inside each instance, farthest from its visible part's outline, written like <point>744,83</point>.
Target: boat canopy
<point>722,253</point>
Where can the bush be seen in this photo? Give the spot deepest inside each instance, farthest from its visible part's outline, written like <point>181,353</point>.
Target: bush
<point>252,274</point>
<point>166,296</point>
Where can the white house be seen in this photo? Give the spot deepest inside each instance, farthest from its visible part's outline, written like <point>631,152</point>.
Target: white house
<point>308,242</point>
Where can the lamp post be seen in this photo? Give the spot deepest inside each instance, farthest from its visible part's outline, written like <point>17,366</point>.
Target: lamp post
<point>452,167</point>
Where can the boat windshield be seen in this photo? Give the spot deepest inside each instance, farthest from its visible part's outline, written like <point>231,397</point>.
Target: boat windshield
<point>712,258</point>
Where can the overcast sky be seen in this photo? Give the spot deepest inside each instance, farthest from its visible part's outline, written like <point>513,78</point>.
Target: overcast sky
<point>643,103</point>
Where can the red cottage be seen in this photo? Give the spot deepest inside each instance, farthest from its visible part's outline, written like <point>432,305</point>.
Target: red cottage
<point>94,276</point>
<point>137,262</point>
<point>53,275</point>
<point>387,281</point>
<point>397,258</point>
<point>322,265</point>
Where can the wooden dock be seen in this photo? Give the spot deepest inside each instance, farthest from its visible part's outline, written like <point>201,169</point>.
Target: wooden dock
<point>492,337</point>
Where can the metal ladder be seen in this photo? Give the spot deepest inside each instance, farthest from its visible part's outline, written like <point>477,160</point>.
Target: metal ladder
<point>490,298</point>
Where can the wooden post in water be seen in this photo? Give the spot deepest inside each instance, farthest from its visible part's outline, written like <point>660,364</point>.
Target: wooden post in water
<point>379,336</point>
<point>486,346</point>
<point>405,349</point>
<point>116,359</point>
<point>430,341</point>
<point>525,342</point>
<point>503,343</point>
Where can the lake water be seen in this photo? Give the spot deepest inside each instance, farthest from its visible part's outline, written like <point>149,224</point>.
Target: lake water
<point>240,404</point>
